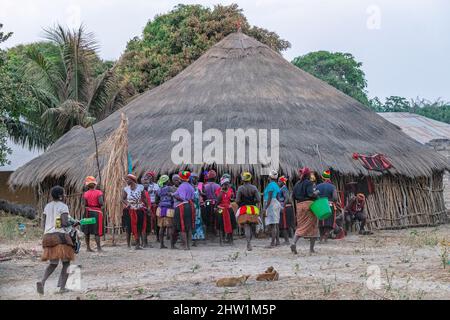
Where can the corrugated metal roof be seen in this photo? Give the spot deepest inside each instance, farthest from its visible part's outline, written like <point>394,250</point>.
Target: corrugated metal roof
<point>418,127</point>
<point>19,156</point>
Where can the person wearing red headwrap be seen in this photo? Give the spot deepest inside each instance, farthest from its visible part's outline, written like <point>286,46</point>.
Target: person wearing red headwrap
<point>93,202</point>
<point>307,224</point>
<point>134,212</point>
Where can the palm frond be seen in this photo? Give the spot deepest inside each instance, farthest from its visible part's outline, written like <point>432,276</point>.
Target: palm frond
<point>27,134</point>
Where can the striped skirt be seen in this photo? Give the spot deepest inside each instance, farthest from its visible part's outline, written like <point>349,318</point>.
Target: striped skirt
<point>307,223</point>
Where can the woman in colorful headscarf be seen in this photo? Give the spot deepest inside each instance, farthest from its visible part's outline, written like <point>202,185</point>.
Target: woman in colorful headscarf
<point>184,218</point>
<point>151,188</point>
<point>165,211</point>
<point>93,202</point>
<point>135,211</point>
<point>198,232</point>
<point>328,190</point>
<point>307,225</point>
<point>226,220</point>
<point>287,216</point>
<point>272,208</point>
<point>248,198</point>
<point>209,191</point>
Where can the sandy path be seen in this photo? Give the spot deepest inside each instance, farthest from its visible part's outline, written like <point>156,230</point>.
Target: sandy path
<point>410,263</point>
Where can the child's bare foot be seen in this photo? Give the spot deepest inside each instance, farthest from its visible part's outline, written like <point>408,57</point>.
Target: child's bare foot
<point>40,287</point>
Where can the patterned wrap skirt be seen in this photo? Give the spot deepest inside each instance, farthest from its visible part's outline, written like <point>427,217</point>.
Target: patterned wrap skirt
<point>248,214</point>
<point>273,212</point>
<point>199,232</point>
<point>307,223</point>
<point>287,217</point>
<point>184,218</point>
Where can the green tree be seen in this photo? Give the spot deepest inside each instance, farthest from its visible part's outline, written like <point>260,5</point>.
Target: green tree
<point>438,110</point>
<point>69,84</point>
<point>340,70</point>
<point>172,41</point>
<point>4,149</point>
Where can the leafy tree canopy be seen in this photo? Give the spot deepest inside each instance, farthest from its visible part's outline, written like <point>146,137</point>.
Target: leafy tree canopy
<point>4,85</point>
<point>438,110</point>
<point>340,70</point>
<point>51,86</point>
<point>172,41</point>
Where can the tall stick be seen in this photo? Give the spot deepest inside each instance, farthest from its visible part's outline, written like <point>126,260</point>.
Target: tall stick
<point>96,155</point>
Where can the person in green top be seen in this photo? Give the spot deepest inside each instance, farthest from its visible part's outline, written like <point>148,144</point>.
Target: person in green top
<point>272,208</point>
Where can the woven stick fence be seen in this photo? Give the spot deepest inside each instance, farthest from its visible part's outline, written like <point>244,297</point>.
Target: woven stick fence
<point>399,202</point>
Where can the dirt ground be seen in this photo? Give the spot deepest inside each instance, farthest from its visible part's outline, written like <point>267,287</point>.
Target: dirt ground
<point>413,264</point>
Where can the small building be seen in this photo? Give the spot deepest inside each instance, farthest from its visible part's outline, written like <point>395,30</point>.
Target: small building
<point>432,133</point>
<point>17,158</point>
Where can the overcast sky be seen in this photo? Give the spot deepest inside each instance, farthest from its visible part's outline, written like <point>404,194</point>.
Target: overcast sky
<point>404,45</point>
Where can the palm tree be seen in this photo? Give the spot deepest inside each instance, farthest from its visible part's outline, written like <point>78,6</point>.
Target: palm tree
<point>66,88</point>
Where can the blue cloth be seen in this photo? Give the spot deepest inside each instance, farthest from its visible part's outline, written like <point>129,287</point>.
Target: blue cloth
<point>272,186</point>
<point>326,190</point>
<point>198,233</point>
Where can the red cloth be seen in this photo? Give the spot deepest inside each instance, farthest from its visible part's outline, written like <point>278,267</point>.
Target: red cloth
<point>227,228</point>
<point>183,228</point>
<point>226,197</point>
<point>91,198</point>
<point>134,219</point>
<point>377,162</point>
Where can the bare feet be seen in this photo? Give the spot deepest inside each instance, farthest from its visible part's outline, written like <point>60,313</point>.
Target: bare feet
<point>40,287</point>
<point>293,248</point>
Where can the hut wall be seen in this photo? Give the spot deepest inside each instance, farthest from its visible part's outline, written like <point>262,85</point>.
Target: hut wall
<point>400,202</point>
<point>22,196</point>
<point>395,201</point>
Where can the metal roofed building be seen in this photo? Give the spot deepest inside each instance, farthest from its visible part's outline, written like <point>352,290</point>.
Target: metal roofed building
<point>435,134</point>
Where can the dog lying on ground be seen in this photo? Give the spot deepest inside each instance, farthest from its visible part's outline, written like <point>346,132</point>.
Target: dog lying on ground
<point>232,281</point>
<point>269,275</point>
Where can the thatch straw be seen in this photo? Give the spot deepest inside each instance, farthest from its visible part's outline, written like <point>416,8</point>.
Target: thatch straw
<point>241,83</point>
<point>115,147</point>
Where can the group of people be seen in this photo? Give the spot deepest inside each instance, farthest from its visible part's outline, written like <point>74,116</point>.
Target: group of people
<point>183,207</point>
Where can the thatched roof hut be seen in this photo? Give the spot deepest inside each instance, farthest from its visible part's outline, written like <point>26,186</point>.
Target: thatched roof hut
<point>242,83</point>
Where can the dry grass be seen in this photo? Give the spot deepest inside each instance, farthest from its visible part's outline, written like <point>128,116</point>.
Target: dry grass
<point>9,228</point>
<point>115,147</point>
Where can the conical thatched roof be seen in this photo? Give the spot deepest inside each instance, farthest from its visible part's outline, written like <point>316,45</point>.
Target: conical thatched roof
<point>241,83</point>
